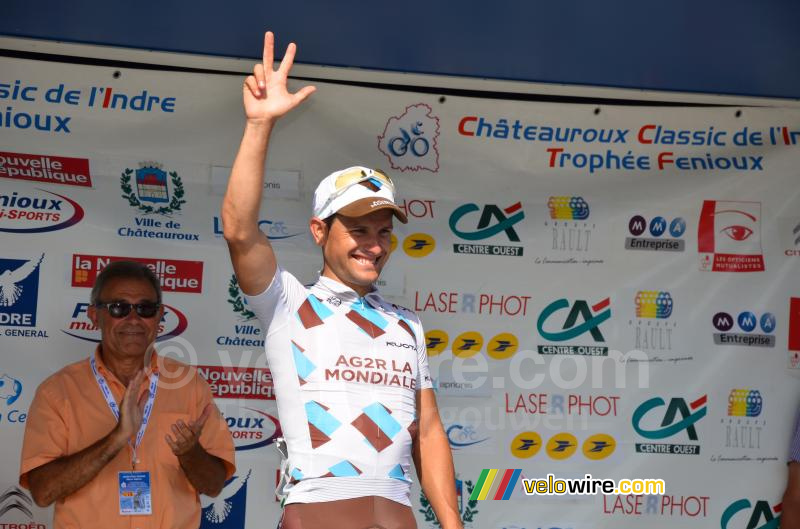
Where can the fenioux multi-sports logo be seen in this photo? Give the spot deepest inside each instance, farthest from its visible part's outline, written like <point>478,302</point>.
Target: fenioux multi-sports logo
<point>462,436</point>
<point>748,322</point>
<point>36,211</point>
<point>492,222</point>
<point>252,428</point>
<point>591,318</point>
<point>466,509</point>
<point>729,237</point>
<point>173,323</point>
<point>759,515</point>
<point>663,235</point>
<point>670,424</point>
<point>410,140</point>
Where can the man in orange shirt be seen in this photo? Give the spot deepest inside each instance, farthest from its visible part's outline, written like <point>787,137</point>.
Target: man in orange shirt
<point>125,438</point>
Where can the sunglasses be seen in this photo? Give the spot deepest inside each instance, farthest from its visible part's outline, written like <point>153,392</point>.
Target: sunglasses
<point>355,176</point>
<point>120,309</point>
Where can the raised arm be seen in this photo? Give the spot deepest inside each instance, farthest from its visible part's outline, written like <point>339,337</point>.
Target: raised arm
<point>266,98</point>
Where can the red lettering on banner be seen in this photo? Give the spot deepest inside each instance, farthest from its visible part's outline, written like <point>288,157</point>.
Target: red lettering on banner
<point>239,382</point>
<point>46,169</point>
<point>174,275</point>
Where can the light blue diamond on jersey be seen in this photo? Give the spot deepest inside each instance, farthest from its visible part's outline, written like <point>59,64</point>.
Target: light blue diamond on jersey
<point>302,364</point>
<point>397,473</point>
<point>344,470</point>
<point>388,424</point>
<point>321,418</point>
<point>363,309</point>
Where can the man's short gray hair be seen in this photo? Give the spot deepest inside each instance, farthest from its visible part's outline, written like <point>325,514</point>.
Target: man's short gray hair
<point>124,269</point>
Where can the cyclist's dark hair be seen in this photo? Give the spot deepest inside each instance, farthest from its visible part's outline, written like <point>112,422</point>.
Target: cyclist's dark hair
<point>124,269</point>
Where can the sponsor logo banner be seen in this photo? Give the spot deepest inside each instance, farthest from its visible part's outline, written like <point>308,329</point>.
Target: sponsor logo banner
<point>239,382</point>
<point>173,323</point>
<point>746,514</point>
<point>410,140</point>
<point>747,322</point>
<point>729,237</point>
<point>491,223</point>
<point>10,392</point>
<point>46,169</point>
<point>592,318</point>
<point>37,211</point>
<point>173,274</point>
<point>251,428</point>
<point>675,419</point>
<point>227,510</point>
<point>19,295</point>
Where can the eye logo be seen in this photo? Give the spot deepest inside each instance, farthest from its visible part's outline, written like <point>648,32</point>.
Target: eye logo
<point>599,446</point>
<point>505,221</point>
<point>745,403</point>
<point>526,445</point>
<point>502,346</point>
<point>436,341</point>
<point>669,425</point>
<point>419,245</point>
<point>728,236</point>
<point>562,445</point>
<point>467,344</point>
<point>568,208</point>
<point>760,511</point>
<point>653,304</point>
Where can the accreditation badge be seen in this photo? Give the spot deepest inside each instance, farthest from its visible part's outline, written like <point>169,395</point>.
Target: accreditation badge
<point>135,494</point>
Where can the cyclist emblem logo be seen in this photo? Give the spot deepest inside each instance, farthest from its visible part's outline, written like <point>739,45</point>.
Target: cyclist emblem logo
<point>410,140</point>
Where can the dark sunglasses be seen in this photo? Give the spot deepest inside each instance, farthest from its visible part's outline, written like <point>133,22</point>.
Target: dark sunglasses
<point>120,309</point>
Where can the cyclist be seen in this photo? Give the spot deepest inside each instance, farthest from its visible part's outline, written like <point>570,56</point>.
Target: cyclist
<point>353,389</point>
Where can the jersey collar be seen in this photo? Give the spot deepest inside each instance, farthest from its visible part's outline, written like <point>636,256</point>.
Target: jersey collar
<point>346,293</point>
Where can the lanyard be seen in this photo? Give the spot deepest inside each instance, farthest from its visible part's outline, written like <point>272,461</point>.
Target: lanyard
<point>112,404</point>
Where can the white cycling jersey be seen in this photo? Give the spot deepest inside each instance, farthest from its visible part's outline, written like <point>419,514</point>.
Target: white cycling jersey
<point>346,371</point>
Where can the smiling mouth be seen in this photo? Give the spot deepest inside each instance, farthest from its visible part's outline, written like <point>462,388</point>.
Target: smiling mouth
<point>366,261</point>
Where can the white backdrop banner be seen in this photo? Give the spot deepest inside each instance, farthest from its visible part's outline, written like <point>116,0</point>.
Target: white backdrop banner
<point>606,290</point>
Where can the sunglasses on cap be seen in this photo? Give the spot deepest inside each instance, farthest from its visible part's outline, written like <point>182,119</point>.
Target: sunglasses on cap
<point>120,309</point>
<point>357,175</point>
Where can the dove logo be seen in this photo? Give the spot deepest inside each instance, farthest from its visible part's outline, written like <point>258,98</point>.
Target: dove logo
<point>19,291</point>
<point>173,323</point>
<point>37,211</point>
<point>227,510</point>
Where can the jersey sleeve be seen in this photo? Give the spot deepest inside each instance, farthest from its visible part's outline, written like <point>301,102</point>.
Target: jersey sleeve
<point>283,296</point>
<point>424,380</point>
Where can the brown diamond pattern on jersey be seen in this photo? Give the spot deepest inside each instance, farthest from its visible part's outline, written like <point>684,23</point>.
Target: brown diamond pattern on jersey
<point>406,327</point>
<point>308,316</point>
<point>365,325</point>
<point>371,432</point>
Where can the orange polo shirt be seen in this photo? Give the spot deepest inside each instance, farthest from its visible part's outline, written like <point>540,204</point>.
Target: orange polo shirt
<point>70,413</point>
